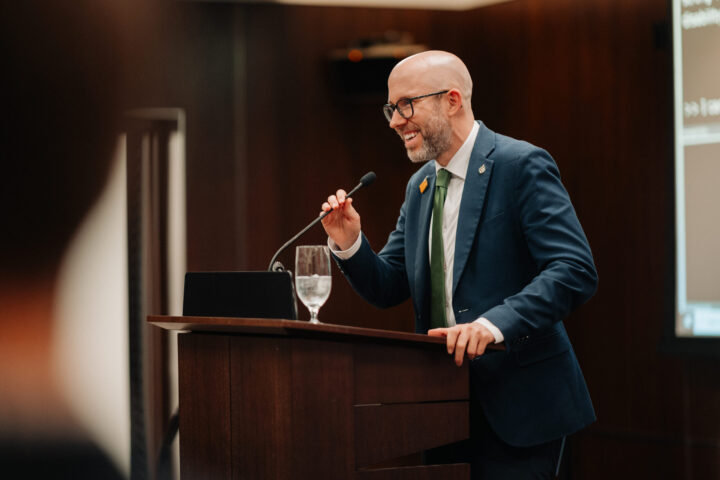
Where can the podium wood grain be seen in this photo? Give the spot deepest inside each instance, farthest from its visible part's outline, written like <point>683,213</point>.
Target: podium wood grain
<point>284,399</point>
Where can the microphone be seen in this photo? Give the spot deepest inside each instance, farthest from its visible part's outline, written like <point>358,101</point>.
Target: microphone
<point>275,266</point>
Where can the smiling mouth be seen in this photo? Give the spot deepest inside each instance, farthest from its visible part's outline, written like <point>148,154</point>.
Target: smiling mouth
<point>409,137</point>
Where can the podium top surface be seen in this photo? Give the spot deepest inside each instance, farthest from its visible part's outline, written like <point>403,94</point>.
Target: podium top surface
<point>271,326</point>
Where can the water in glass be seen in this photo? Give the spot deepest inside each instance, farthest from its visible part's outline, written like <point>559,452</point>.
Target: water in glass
<point>313,280</point>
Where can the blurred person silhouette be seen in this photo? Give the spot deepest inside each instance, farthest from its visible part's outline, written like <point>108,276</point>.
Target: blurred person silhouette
<point>60,98</point>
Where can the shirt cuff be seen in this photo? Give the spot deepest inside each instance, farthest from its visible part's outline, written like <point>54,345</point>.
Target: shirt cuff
<point>493,329</point>
<point>345,254</point>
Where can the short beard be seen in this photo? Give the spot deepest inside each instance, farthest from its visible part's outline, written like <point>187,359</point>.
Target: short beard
<point>437,136</point>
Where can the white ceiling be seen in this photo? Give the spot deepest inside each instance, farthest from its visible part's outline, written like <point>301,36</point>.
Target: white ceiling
<point>414,4</point>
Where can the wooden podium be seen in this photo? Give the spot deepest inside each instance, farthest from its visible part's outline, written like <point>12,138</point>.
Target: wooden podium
<point>285,399</point>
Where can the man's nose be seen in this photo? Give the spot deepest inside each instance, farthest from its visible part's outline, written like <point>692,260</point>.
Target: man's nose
<point>396,120</point>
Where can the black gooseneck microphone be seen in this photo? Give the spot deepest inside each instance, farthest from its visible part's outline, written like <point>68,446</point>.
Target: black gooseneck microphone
<point>276,266</point>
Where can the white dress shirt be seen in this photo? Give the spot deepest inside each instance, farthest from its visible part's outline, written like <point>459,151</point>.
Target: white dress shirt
<point>458,168</point>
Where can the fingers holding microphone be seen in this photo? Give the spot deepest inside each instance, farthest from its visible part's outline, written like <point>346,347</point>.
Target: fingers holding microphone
<point>335,201</point>
<point>342,224</point>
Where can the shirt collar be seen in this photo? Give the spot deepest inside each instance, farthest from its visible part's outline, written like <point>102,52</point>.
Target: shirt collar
<point>458,164</point>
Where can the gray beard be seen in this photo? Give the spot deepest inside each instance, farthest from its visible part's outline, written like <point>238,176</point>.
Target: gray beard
<point>437,136</point>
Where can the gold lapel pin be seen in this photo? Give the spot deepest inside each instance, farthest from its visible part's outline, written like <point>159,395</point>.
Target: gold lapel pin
<point>482,169</point>
<point>423,185</point>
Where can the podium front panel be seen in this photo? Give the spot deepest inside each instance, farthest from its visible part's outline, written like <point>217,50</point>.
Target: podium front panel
<point>283,400</point>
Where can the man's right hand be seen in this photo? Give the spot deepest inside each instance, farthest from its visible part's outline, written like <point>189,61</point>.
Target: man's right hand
<point>342,224</point>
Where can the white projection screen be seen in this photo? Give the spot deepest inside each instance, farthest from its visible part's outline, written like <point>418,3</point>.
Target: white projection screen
<point>696,67</point>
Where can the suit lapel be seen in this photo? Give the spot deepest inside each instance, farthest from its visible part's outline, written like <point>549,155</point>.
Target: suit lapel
<point>422,255</point>
<point>477,179</point>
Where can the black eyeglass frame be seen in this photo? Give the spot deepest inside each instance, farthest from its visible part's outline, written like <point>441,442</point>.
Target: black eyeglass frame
<point>389,108</point>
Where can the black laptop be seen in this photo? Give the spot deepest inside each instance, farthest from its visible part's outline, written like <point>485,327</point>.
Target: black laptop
<point>239,294</point>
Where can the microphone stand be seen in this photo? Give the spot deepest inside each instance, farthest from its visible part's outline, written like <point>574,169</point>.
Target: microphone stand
<point>276,266</point>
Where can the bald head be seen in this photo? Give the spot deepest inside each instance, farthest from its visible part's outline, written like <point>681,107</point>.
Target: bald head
<point>437,88</point>
<point>434,70</point>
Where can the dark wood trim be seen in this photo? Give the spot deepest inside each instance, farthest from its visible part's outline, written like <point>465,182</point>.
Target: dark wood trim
<point>285,327</point>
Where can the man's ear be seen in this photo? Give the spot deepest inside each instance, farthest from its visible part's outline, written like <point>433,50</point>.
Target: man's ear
<point>455,101</point>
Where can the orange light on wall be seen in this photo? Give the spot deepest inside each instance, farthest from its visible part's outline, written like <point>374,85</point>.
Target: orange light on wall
<point>355,55</point>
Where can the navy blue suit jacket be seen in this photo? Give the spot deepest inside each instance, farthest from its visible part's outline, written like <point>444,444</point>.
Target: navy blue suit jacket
<point>522,261</point>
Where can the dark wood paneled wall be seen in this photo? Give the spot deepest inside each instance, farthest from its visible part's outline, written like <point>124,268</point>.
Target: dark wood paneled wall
<point>181,55</point>
<point>588,80</point>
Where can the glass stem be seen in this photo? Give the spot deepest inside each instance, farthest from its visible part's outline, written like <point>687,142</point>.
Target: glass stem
<point>314,315</point>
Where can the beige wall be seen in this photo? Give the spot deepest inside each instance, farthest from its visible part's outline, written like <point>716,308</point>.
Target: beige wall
<point>702,226</point>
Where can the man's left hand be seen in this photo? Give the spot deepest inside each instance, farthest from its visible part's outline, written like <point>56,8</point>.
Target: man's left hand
<point>470,338</point>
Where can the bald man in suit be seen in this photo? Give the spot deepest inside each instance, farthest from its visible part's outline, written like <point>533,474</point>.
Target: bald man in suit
<point>490,250</point>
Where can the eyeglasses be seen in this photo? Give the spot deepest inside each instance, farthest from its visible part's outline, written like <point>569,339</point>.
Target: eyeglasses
<point>404,106</point>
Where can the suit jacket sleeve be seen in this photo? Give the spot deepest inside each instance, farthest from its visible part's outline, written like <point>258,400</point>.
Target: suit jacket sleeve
<point>566,275</point>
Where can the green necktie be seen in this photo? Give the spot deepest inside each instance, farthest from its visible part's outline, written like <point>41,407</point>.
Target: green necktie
<point>437,257</point>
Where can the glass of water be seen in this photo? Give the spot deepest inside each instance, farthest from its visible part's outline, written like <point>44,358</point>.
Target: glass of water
<point>312,277</point>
